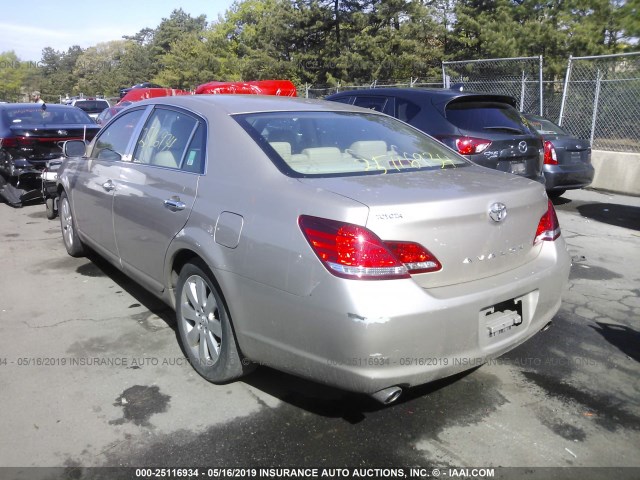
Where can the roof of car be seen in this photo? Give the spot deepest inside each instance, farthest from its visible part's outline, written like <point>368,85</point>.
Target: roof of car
<point>437,95</point>
<point>35,106</point>
<point>78,100</point>
<point>235,104</point>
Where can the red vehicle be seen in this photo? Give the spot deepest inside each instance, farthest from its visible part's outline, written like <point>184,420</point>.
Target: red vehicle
<point>137,94</point>
<point>283,88</point>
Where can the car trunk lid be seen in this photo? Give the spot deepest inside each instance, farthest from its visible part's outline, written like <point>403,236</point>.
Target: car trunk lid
<point>41,143</point>
<point>447,211</point>
<point>570,151</point>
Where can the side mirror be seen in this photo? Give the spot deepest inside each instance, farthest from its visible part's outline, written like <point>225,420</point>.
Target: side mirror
<point>74,148</point>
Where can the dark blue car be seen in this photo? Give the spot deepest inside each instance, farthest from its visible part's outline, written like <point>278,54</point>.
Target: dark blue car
<point>485,128</point>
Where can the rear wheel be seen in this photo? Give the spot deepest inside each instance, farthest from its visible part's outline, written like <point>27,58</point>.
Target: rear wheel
<point>69,231</point>
<point>49,205</point>
<point>205,328</point>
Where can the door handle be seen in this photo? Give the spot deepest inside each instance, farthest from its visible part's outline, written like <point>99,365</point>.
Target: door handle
<point>108,186</point>
<point>174,204</point>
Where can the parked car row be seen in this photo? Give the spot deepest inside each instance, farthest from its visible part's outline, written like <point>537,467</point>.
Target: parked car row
<point>331,241</point>
<point>488,130</point>
<point>326,240</point>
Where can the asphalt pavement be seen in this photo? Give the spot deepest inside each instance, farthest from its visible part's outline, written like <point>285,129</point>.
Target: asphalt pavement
<point>91,375</point>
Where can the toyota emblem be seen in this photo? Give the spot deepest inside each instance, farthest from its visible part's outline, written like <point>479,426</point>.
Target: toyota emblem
<point>498,212</point>
<point>522,146</point>
<point>63,133</point>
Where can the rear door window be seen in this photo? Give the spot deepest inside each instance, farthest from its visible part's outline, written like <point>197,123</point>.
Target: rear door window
<point>164,140</point>
<point>371,102</point>
<point>406,110</point>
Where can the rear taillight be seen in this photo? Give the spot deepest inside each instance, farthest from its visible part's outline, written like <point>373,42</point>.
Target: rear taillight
<point>550,156</point>
<point>8,142</point>
<point>471,145</point>
<point>414,256</point>
<point>355,252</point>
<point>548,227</point>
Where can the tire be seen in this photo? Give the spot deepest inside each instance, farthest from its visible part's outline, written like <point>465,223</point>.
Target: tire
<point>49,206</point>
<point>555,193</point>
<point>205,328</point>
<point>72,242</point>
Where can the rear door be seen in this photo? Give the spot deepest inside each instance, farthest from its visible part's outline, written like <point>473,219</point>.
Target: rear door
<point>156,191</point>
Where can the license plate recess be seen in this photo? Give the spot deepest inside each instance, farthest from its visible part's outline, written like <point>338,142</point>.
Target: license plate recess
<point>502,317</point>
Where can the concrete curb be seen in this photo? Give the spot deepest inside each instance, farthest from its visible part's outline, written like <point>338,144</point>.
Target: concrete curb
<point>616,172</point>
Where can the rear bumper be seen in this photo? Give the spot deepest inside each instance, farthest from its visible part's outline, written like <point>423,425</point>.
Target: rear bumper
<point>366,336</point>
<point>565,177</point>
<point>528,168</point>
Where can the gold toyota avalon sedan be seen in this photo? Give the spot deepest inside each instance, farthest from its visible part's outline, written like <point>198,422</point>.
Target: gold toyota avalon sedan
<point>325,240</point>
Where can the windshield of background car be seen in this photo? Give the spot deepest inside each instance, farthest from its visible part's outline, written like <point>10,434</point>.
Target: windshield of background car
<point>92,106</point>
<point>546,127</point>
<point>485,116</point>
<point>344,143</point>
<point>36,115</point>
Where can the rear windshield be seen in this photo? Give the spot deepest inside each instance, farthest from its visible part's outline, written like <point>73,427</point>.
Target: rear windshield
<point>486,117</point>
<point>28,115</point>
<point>546,127</point>
<point>344,143</point>
<point>92,106</point>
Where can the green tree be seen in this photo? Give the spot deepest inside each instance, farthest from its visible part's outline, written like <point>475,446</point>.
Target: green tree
<point>97,69</point>
<point>56,71</point>
<point>12,77</point>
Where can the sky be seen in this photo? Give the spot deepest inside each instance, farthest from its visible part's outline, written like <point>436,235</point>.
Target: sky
<point>28,26</point>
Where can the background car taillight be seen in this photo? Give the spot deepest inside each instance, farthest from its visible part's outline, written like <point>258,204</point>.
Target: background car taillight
<point>471,145</point>
<point>550,156</point>
<point>8,142</point>
<point>355,252</point>
<point>548,227</point>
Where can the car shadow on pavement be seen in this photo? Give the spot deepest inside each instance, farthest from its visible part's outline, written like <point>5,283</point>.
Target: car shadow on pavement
<point>625,216</point>
<point>613,214</point>
<point>331,402</point>
<point>626,339</point>
<point>141,295</point>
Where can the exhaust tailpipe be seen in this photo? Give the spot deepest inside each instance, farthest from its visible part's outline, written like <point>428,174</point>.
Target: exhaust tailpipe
<point>546,327</point>
<point>388,395</point>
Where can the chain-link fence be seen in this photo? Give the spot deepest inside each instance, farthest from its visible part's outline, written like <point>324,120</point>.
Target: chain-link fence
<point>519,77</point>
<point>321,91</point>
<point>552,99</point>
<point>601,101</point>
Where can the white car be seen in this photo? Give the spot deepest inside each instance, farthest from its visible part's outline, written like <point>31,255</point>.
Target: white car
<point>92,106</point>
